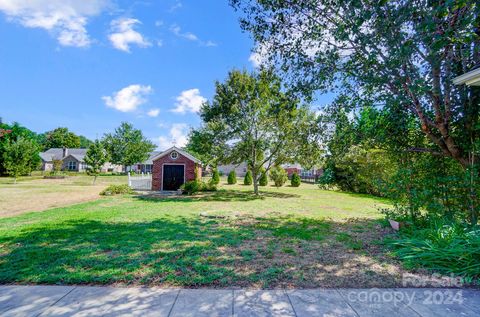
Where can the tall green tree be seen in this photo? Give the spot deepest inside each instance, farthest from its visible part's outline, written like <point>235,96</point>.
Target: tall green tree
<point>11,133</point>
<point>95,158</point>
<point>401,55</point>
<point>127,145</point>
<point>20,157</point>
<point>60,138</point>
<point>252,119</point>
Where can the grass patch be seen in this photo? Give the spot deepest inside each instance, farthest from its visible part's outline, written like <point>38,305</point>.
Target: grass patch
<point>284,237</point>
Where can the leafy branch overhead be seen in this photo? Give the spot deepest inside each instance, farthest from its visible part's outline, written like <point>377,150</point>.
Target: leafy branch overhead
<point>397,55</point>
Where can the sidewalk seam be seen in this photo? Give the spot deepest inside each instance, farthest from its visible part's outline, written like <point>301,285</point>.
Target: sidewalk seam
<point>41,313</point>
<point>174,302</point>
<point>290,301</point>
<point>233,302</point>
<point>346,302</point>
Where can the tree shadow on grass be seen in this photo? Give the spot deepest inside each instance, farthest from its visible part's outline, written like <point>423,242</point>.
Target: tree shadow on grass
<point>220,195</point>
<point>195,252</point>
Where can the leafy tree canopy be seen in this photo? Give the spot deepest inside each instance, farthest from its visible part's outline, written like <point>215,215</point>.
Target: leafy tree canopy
<point>11,133</point>
<point>60,138</point>
<point>252,119</point>
<point>399,55</point>
<point>20,157</point>
<point>95,158</point>
<point>127,145</point>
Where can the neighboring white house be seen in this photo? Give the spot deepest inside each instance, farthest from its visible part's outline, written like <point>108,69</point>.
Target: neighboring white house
<point>240,169</point>
<point>72,160</point>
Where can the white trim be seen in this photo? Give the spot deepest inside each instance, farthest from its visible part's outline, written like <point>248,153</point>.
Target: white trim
<point>184,172</point>
<point>472,78</point>
<point>174,148</point>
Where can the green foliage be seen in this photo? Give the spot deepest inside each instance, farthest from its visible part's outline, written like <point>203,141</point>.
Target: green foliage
<point>327,180</point>
<point>263,181</point>
<point>60,138</point>
<point>296,181</point>
<point>232,177</point>
<point>57,166</point>
<point>215,177</point>
<point>195,186</point>
<point>20,157</point>
<point>443,247</point>
<point>250,115</point>
<point>11,133</point>
<point>84,142</point>
<point>278,175</point>
<point>127,145</point>
<point>117,190</point>
<point>248,179</point>
<point>436,40</point>
<point>95,158</point>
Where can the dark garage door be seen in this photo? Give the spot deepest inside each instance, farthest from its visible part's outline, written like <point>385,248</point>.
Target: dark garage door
<point>173,176</point>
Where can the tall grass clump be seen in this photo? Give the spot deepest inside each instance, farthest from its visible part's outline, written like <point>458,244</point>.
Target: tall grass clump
<point>443,247</point>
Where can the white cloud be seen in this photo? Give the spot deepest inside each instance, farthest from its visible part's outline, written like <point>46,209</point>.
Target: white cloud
<point>129,98</point>
<point>153,113</point>
<point>177,5</point>
<point>189,101</point>
<point>175,29</point>
<point>178,135</point>
<point>65,19</point>
<point>259,56</point>
<point>123,34</point>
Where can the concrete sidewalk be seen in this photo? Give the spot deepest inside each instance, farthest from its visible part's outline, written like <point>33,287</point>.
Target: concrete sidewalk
<point>109,301</point>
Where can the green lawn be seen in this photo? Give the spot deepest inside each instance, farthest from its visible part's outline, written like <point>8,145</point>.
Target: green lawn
<point>302,237</point>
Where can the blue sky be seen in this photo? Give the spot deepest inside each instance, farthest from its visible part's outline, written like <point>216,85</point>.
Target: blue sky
<point>89,65</point>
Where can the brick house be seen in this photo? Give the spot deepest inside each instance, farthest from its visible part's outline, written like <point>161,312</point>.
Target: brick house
<point>172,168</point>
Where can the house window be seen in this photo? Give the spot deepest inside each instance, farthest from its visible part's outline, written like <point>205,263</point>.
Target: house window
<point>174,155</point>
<point>148,168</point>
<point>72,166</point>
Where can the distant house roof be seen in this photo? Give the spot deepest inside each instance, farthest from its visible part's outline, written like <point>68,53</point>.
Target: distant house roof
<point>57,153</point>
<point>174,148</point>
<point>472,78</point>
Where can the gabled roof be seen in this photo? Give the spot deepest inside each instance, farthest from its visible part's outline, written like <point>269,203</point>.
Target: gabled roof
<point>57,153</point>
<point>76,156</point>
<point>174,148</point>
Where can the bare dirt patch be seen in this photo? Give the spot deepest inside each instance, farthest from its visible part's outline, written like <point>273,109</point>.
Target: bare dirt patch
<point>269,260</point>
<point>43,194</point>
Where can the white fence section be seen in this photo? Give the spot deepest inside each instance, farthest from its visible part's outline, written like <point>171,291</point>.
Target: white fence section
<point>140,182</point>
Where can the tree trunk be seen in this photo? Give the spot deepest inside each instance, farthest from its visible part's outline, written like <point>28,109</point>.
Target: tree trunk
<point>94,179</point>
<point>255,182</point>
<point>15,180</point>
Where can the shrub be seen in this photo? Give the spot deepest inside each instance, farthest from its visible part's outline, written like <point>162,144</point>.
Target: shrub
<point>248,180</point>
<point>327,180</point>
<point>263,181</point>
<point>279,176</point>
<point>232,178</point>
<point>295,180</point>
<point>116,190</point>
<point>215,177</point>
<point>192,187</point>
<point>195,186</point>
<point>445,248</point>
